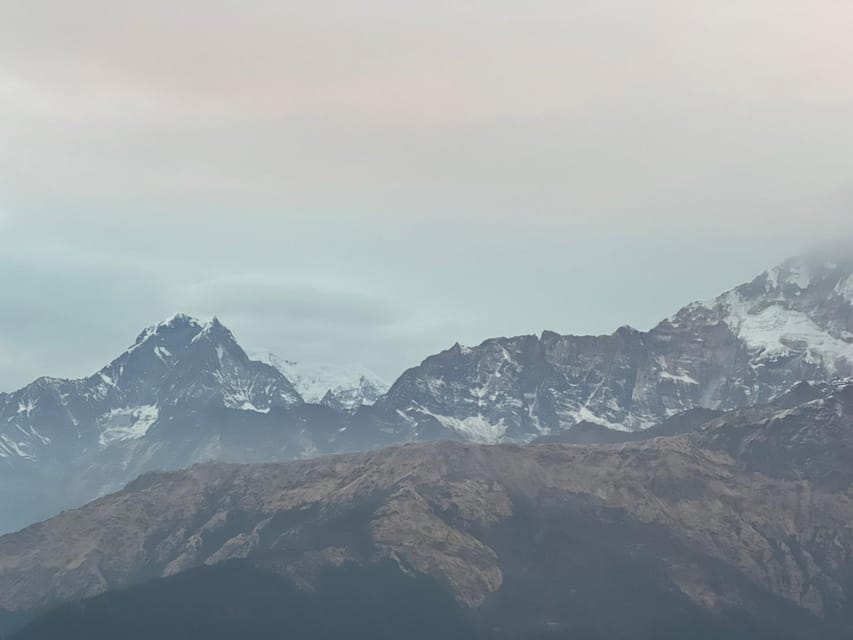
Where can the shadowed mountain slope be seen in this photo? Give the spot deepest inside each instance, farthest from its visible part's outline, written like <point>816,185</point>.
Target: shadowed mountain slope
<point>745,520</point>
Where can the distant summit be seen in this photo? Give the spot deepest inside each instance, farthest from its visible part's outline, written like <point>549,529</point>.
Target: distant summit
<point>345,387</point>
<point>793,322</point>
<point>187,392</point>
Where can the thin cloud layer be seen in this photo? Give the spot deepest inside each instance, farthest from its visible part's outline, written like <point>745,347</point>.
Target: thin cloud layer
<point>374,181</point>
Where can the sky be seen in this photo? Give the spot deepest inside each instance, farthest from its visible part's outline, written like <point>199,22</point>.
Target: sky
<point>370,182</point>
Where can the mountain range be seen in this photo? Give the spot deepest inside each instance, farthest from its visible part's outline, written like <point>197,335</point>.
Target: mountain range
<point>187,392</point>
<point>791,323</point>
<point>737,527</point>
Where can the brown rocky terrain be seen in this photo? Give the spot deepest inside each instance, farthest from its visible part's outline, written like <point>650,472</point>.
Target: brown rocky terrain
<point>751,513</point>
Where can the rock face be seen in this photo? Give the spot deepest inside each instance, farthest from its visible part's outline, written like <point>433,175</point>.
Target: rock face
<point>791,323</point>
<point>186,392</point>
<point>747,517</point>
<point>183,392</point>
<point>175,370</point>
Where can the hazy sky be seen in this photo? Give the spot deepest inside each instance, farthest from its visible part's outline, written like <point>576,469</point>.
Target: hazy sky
<point>372,181</point>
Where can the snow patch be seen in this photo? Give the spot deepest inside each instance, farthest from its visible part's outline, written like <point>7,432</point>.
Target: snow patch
<point>129,423</point>
<point>532,401</point>
<point>9,448</point>
<point>475,428</point>
<point>248,406</point>
<point>38,436</point>
<point>170,322</point>
<point>844,288</point>
<point>27,407</point>
<point>585,415</point>
<point>791,273</point>
<point>163,353</point>
<point>800,275</point>
<point>682,377</point>
<point>772,276</point>
<point>776,331</point>
<point>107,380</point>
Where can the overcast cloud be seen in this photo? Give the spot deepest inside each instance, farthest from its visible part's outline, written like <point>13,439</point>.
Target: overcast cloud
<point>372,181</point>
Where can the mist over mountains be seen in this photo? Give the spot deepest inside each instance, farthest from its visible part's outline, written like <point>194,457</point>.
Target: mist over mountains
<point>690,480</point>
<point>187,392</point>
<point>406,321</point>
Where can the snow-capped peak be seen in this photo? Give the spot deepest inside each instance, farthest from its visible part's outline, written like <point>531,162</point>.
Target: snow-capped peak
<point>792,273</point>
<point>213,328</point>
<point>176,322</point>
<point>345,386</point>
<point>802,308</point>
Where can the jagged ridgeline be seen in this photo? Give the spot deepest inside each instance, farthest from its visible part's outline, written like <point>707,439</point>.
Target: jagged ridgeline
<point>187,392</point>
<point>737,528</point>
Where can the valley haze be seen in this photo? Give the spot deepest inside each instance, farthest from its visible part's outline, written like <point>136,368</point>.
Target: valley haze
<point>475,320</point>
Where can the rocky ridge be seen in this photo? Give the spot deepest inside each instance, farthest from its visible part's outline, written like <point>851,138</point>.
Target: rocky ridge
<point>790,324</point>
<point>186,392</point>
<point>749,511</point>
